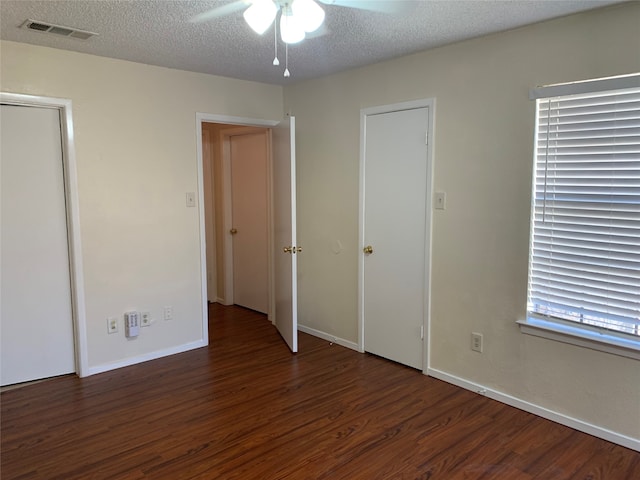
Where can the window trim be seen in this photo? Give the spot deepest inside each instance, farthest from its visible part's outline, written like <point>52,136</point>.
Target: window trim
<point>587,86</point>
<point>587,336</point>
<point>581,335</point>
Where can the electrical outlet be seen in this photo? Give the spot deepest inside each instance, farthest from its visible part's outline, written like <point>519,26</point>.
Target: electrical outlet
<point>112,325</point>
<point>168,313</point>
<point>145,319</point>
<point>476,342</point>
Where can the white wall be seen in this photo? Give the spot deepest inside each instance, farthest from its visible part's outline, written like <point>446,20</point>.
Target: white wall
<point>483,161</point>
<point>135,138</point>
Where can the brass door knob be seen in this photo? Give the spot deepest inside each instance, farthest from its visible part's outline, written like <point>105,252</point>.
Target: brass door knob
<point>368,250</point>
<point>233,231</point>
<point>297,249</point>
<point>288,249</point>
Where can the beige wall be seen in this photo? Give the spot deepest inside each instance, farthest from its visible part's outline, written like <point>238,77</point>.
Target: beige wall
<point>212,158</point>
<point>135,139</point>
<point>483,161</point>
<point>215,130</point>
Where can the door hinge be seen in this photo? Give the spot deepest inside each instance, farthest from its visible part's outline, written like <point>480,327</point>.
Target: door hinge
<point>422,332</point>
<point>426,138</point>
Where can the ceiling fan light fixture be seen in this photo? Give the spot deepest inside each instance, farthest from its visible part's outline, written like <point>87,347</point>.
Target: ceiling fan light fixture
<point>291,29</point>
<point>309,13</point>
<point>260,15</point>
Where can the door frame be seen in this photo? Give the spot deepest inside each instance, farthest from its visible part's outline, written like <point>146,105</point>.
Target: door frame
<point>430,104</point>
<point>240,122</point>
<point>70,178</point>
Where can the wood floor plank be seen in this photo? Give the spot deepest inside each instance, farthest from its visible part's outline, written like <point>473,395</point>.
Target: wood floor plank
<point>246,408</point>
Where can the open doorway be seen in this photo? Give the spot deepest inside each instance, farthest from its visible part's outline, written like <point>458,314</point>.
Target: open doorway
<point>237,196</point>
<point>282,244</point>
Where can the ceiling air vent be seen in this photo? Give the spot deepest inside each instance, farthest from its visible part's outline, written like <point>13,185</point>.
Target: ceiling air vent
<point>56,29</point>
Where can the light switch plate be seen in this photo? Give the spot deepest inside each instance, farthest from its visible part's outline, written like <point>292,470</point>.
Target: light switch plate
<point>191,199</point>
<point>440,200</point>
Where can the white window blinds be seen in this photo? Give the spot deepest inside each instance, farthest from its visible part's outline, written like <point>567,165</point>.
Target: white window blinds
<point>585,248</point>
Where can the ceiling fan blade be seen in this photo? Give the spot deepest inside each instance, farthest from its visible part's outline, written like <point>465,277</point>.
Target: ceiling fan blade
<point>383,6</point>
<point>220,11</point>
<point>319,32</point>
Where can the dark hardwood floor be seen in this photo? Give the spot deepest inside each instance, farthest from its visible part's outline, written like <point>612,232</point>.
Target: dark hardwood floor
<point>245,408</point>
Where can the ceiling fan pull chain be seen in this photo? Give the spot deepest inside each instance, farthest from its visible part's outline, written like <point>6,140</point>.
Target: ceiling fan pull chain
<point>276,62</point>
<point>286,60</point>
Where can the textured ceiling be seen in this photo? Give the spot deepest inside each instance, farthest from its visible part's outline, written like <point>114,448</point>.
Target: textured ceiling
<point>160,32</point>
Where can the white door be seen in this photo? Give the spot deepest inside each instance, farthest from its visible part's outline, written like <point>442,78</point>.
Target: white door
<point>284,204</point>
<point>36,327</point>
<point>394,227</point>
<point>249,212</point>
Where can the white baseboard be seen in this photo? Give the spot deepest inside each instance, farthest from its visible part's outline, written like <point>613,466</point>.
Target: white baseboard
<point>328,338</point>
<point>105,367</point>
<point>614,437</point>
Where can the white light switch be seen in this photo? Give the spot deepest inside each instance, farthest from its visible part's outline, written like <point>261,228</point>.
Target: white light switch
<point>440,200</point>
<point>191,199</point>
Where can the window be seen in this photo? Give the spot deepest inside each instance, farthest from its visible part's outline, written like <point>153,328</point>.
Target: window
<point>584,265</point>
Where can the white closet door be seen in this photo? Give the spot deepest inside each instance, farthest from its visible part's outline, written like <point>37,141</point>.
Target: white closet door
<point>36,328</point>
<point>395,193</point>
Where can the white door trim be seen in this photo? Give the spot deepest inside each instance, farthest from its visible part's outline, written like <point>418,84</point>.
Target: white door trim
<point>364,113</point>
<point>230,120</point>
<point>64,106</point>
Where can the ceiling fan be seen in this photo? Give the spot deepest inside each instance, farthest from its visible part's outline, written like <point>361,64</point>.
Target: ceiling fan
<point>297,17</point>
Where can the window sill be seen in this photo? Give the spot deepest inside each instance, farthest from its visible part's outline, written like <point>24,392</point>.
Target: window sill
<point>584,337</point>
